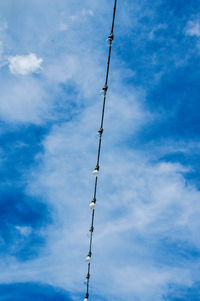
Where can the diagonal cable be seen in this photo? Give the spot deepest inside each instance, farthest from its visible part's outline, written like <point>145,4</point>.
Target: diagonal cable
<point>96,170</point>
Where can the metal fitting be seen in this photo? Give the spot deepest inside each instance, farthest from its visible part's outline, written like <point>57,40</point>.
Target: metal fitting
<point>100,131</point>
<point>111,37</point>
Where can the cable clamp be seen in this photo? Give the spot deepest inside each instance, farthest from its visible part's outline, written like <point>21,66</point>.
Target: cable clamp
<point>105,88</point>
<point>91,229</point>
<point>100,131</point>
<point>111,37</point>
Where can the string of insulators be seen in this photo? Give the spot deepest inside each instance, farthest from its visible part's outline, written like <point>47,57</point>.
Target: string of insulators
<point>96,170</point>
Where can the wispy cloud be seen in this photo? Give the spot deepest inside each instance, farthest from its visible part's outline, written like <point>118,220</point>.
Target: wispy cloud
<point>146,228</point>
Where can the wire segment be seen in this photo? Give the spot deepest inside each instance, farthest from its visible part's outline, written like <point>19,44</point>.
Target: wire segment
<point>96,170</point>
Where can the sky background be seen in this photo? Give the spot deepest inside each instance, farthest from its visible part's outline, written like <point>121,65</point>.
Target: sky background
<point>53,57</point>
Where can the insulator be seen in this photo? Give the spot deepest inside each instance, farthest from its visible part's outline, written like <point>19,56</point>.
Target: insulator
<point>96,171</point>
<point>88,258</point>
<point>92,205</point>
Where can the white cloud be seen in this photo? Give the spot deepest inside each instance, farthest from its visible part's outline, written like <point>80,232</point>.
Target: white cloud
<point>24,100</point>
<point>63,27</point>
<point>141,202</point>
<point>83,13</point>
<point>144,204</point>
<point>155,29</point>
<point>193,28</point>
<point>87,12</point>
<point>24,64</point>
<point>25,231</point>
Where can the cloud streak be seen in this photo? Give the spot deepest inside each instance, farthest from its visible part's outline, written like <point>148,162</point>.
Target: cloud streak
<point>146,229</point>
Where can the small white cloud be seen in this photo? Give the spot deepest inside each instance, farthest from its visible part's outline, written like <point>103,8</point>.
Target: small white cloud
<point>83,13</point>
<point>87,12</point>
<point>155,29</point>
<point>73,18</point>
<point>63,27</point>
<point>25,231</point>
<point>193,28</point>
<point>24,64</point>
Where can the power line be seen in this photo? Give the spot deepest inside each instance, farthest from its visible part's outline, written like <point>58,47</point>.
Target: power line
<point>96,170</point>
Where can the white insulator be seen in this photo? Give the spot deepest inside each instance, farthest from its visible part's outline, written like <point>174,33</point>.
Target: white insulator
<point>88,259</point>
<point>95,172</point>
<point>92,205</point>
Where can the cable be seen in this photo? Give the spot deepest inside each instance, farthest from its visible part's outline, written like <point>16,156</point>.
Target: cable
<point>96,170</point>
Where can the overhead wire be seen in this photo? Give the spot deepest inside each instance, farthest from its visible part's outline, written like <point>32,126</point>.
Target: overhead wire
<point>96,170</point>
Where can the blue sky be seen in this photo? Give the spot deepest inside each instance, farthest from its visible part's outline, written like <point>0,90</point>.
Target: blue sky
<point>53,59</point>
